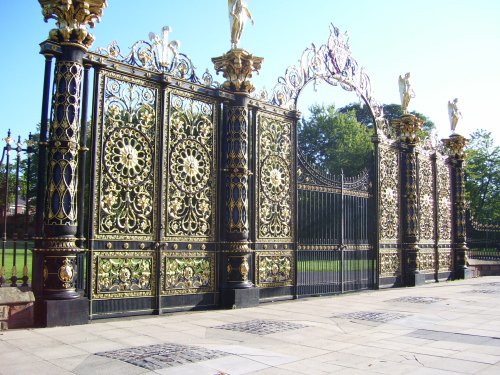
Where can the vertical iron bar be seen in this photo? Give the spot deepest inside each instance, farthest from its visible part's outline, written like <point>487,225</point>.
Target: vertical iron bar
<point>6,206</point>
<point>13,277</point>
<point>342,265</point>
<point>29,151</point>
<point>82,152</point>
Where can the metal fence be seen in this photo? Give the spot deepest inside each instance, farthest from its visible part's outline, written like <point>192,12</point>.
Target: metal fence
<point>335,252</point>
<point>16,211</point>
<point>483,240</point>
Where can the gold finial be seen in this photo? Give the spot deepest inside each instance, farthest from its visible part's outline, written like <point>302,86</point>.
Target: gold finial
<point>72,17</point>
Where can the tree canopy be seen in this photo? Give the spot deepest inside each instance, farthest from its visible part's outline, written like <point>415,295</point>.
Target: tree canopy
<point>391,111</point>
<point>335,140</point>
<point>482,169</point>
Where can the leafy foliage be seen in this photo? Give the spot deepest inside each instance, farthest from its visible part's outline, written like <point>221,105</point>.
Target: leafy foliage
<point>482,170</point>
<point>335,140</point>
<point>391,111</point>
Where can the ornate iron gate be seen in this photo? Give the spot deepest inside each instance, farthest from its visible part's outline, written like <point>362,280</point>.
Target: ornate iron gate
<point>334,232</point>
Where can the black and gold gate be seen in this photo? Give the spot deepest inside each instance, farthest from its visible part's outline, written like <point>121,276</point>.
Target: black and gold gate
<point>334,232</point>
<point>190,194</point>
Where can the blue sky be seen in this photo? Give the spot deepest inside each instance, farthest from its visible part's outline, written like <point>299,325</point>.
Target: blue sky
<point>451,48</point>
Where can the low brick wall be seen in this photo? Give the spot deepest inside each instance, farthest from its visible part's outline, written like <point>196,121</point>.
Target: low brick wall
<point>16,308</point>
<point>480,267</point>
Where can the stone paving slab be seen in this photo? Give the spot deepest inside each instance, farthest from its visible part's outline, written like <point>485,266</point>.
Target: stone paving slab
<point>439,328</point>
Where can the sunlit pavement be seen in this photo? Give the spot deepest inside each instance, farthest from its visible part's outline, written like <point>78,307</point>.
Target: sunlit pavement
<point>443,328</point>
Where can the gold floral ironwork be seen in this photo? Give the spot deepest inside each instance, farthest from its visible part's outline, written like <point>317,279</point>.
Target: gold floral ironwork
<point>275,177</point>
<point>188,273</point>
<point>426,198</point>
<point>127,158</point>
<point>389,193</point>
<point>390,263</point>
<point>120,274</point>
<point>274,268</point>
<point>445,260</point>
<point>191,185</point>
<point>426,261</point>
<point>444,202</point>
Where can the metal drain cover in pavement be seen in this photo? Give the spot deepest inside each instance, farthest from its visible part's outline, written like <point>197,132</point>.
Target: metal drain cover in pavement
<point>154,357</point>
<point>486,291</point>
<point>380,317</point>
<point>261,327</point>
<point>426,300</point>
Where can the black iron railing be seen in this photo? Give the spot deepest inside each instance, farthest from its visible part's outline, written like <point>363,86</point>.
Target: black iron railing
<point>16,211</point>
<point>483,239</point>
<point>335,253</point>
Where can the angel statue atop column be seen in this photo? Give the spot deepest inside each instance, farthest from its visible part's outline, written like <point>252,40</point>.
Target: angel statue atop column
<point>405,91</point>
<point>238,14</point>
<point>454,114</point>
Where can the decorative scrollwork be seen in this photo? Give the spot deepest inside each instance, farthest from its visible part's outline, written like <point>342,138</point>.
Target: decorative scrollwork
<point>190,150</point>
<point>188,273</point>
<point>274,269</point>
<point>426,260</point>
<point>444,201</point>
<point>389,193</point>
<point>331,63</point>
<point>390,263</point>
<point>426,199</point>
<point>274,176</point>
<point>159,56</point>
<point>445,260</point>
<point>129,137</point>
<point>120,274</point>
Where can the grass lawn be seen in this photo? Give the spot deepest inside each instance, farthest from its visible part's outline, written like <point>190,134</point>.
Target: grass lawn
<point>9,261</point>
<point>334,265</point>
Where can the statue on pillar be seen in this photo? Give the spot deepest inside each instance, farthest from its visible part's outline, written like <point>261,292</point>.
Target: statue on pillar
<point>405,91</point>
<point>454,114</point>
<point>238,14</point>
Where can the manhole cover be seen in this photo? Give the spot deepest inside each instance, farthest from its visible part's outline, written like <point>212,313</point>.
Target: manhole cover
<point>261,327</point>
<point>486,291</point>
<point>426,300</point>
<point>380,317</point>
<point>154,357</point>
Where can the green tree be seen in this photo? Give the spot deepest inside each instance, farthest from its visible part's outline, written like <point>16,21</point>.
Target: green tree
<point>333,140</point>
<point>391,111</point>
<point>482,169</point>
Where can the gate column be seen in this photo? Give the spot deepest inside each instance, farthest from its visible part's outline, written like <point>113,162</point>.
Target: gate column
<point>456,147</point>
<point>236,263</point>
<point>57,300</point>
<point>408,127</point>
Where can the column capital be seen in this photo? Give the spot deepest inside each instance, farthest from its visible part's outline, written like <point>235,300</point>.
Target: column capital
<point>237,66</point>
<point>455,145</point>
<point>72,18</point>
<point>408,127</point>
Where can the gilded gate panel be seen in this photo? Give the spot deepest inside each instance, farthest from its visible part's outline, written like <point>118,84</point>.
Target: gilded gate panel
<point>123,274</point>
<point>190,167</point>
<point>389,193</point>
<point>274,178</point>
<point>188,273</point>
<point>125,158</point>
<point>445,262</point>
<point>274,268</point>
<point>426,199</point>
<point>444,201</point>
<point>390,263</point>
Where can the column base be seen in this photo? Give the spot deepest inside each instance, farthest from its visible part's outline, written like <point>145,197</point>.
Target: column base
<point>415,279</point>
<point>53,313</point>
<point>464,274</point>
<point>239,298</point>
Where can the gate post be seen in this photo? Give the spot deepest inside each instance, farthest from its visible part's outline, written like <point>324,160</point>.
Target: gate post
<point>456,147</point>
<point>55,253</point>
<point>236,262</point>
<point>408,127</point>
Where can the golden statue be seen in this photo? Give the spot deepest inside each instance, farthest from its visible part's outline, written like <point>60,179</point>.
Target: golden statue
<point>238,14</point>
<point>454,114</point>
<point>405,91</point>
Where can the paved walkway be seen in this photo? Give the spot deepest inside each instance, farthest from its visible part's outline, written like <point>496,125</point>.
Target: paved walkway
<point>445,328</point>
